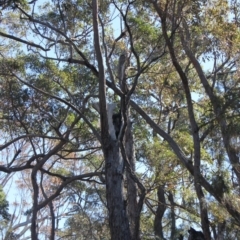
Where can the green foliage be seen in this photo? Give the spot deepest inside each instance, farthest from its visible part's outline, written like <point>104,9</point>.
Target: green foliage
<point>184,60</point>
<point>4,206</point>
<point>12,4</point>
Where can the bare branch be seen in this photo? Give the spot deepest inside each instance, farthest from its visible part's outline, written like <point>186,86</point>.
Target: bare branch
<point>23,41</point>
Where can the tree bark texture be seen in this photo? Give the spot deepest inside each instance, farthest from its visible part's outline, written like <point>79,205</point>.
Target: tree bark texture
<point>132,205</point>
<point>118,220</point>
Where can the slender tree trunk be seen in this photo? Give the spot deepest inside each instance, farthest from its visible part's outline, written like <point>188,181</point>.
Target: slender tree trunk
<point>194,127</point>
<point>158,228</point>
<point>132,205</point>
<point>219,112</point>
<point>173,225</point>
<point>34,233</point>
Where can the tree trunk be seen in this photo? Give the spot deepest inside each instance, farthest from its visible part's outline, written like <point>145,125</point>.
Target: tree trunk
<point>158,229</point>
<point>193,122</point>
<point>132,205</point>
<point>221,229</point>
<point>173,225</point>
<point>118,221</point>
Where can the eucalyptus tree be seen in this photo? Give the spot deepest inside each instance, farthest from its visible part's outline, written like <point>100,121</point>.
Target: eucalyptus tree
<point>80,80</point>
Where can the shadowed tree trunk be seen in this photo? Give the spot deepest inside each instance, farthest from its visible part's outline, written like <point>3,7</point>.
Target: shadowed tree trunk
<point>173,225</point>
<point>158,228</point>
<point>118,220</point>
